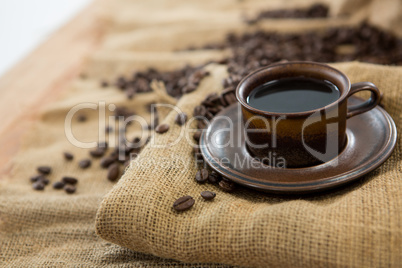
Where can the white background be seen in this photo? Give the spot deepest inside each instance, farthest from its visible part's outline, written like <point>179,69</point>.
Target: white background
<point>24,24</point>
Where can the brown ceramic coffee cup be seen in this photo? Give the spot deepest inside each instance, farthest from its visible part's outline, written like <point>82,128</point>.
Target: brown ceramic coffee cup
<point>307,138</point>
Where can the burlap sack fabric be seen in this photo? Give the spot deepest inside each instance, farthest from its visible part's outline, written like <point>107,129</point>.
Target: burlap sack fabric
<point>357,226</point>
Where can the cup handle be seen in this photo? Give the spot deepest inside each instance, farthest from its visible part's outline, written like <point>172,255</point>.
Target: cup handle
<point>372,102</point>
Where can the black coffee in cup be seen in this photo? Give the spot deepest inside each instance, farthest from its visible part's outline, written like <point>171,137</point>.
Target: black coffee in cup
<point>293,95</point>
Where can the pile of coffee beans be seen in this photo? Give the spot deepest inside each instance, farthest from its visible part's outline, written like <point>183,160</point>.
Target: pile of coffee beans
<point>254,50</point>
<point>315,11</point>
<point>177,82</point>
<point>40,180</point>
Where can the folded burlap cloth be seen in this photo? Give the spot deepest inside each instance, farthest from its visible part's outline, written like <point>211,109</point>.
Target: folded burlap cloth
<point>360,225</point>
<point>357,226</point>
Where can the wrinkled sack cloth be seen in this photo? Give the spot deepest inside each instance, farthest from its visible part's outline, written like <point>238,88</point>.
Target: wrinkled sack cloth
<point>359,225</point>
<point>52,228</point>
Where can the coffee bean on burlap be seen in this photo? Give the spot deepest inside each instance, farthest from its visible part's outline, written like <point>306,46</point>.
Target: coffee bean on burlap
<point>104,83</point>
<point>214,177</point>
<point>70,189</point>
<point>58,185</point>
<point>81,118</point>
<point>108,129</point>
<point>197,136</point>
<point>85,163</point>
<point>183,203</point>
<point>69,180</point>
<point>181,119</point>
<point>227,185</point>
<point>68,156</point>
<point>107,161</point>
<point>39,185</point>
<point>208,195</point>
<point>201,124</point>
<point>201,176</point>
<point>162,128</point>
<point>199,110</point>
<point>44,180</point>
<point>45,170</point>
<point>103,145</point>
<point>36,178</point>
<point>98,152</point>
<point>113,172</point>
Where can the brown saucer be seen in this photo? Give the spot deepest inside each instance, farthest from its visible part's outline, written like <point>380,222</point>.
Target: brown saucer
<point>371,140</point>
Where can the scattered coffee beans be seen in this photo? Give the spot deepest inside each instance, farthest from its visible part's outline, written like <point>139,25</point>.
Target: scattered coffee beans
<point>45,170</point>
<point>107,161</point>
<point>181,119</point>
<point>103,145</point>
<point>183,203</point>
<point>98,152</point>
<point>162,128</point>
<point>69,180</point>
<point>58,185</point>
<point>39,185</point>
<point>227,185</point>
<point>315,11</point>
<point>70,189</point>
<point>113,172</point>
<point>86,163</point>
<point>207,195</point>
<point>199,111</point>
<point>81,118</point>
<point>36,178</point>
<point>45,181</point>
<point>201,176</point>
<point>197,136</point>
<point>104,83</point>
<point>68,156</point>
<point>214,177</point>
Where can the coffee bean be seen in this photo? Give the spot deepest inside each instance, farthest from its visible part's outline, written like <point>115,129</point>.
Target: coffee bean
<point>81,118</point>
<point>181,119</point>
<point>183,203</point>
<point>230,98</point>
<point>45,170</point>
<point>104,84</point>
<point>69,180</point>
<point>68,156</point>
<point>130,93</point>
<point>196,149</point>
<point>36,178</point>
<point>98,152</point>
<point>189,88</point>
<point>86,163</point>
<point>162,128</point>
<point>107,161</point>
<point>201,124</point>
<point>108,129</point>
<point>227,185</point>
<point>197,136</point>
<point>113,172</point>
<point>199,110</point>
<point>214,177</point>
<point>209,115</point>
<point>39,186</point>
<point>58,185</point>
<point>207,195</point>
<point>103,145</point>
<point>44,180</point>
<point>201,176</point>
<point>70,189</point>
